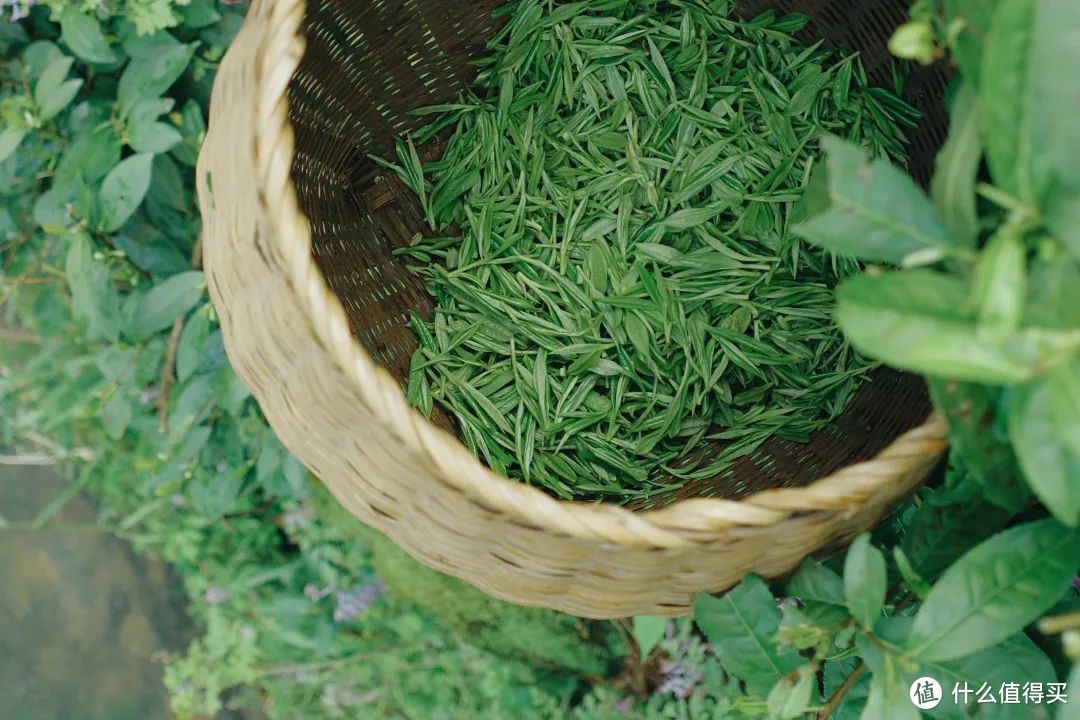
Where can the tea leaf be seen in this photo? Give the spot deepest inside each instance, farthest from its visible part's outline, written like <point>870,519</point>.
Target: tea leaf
<point>953,187</point>
<point>995,590</point>
<point>83,35</point>
<point>1044,426</point>
<point>123,191</point>
<point>915,321</point>
<point>741,626</point>
<point>864,581</point>
<point>878,214</point>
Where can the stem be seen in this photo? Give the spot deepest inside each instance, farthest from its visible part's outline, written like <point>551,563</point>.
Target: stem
<point>1059,623</point>
<point>834,701</point>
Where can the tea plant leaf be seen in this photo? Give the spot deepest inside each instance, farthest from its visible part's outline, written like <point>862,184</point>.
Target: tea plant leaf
<point>888,698</point>
<point>93,295</point>
<point>915,321</point>
<point>878,214</point>
<point>821,592</point>
<point>995,590</point>
<point>953,186</point>
<point>154,137</point>
<point>123,191</point>
<point>865,581</point>
<point>787,701</point>
<point>167,301</point>
<point>977,426</point>
<point>150,76</point>
<point>190,350</point>
<point>10,139</point>
<point>1071,710</point>
<point>741,626</point>
<point>1044,426</point>
<point>972,25</point>
<point>1009,107</point>
<point>648,631</point>
<point>1001,285</point>
<point>53,93</point>
<point>82,33</point>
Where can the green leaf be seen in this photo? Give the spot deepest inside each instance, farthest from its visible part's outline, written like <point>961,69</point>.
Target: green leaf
<point>1009,107</point>
<point>214,495</point>
<point>83,35</point>
<point>1044,426</point>
<point>53,93</point>
<point>836,674</point>
<point>1071,710</point>
<point>995,590</point>
<point>93,295</point>
<point>59,99</point>
<point>116,415</point>
<point>973,18</point>
<point>1014,660</point>
<point>189,352</point>
<point>10,139</point>
<point>878,213</point>
<point>691,218</point>
<point>1001,285</point>
<point>1062,213</point>
<point>52,77</point>
<point>865,581</point>
<point>888,699</point>
<point>1056,56</point>
<point>821,592</point>
<point>787,701</point>
<point>122,191</point>
<point>92,154</point>
<point>978,433</point>
<point>166,302</point>
<point>39,55</point>
<point>953,186</point>
<point>741,626</point>
<point>915,321</point>
<point>154,137</point>
<point>648,631</point>
<point>150,76</point>
<point>199,14</point>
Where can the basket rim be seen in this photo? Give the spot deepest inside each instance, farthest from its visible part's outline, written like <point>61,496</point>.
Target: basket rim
<point>278,51</point>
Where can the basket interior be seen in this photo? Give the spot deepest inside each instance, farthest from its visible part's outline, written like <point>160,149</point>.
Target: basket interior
<point>368,63</point>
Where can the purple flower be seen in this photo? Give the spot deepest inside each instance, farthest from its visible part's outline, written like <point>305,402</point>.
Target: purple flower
<point>350,603</point>
<point>1076,583</point>
<point>177,500</point>
<point>679,680</point>
<point>625,705</point>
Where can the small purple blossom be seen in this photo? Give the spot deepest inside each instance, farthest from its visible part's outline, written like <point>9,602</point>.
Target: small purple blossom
<point>1076,583</point>
<point>216,595</point>
<point>177,500</point>
<point>625,705</point>
<point>679,680</point>
<point>351,603</point>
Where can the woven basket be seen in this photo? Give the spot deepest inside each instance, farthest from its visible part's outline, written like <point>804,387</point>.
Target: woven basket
<point>298,236</point>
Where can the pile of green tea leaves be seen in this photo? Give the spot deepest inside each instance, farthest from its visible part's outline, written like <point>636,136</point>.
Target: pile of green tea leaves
<point>622,285</point>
